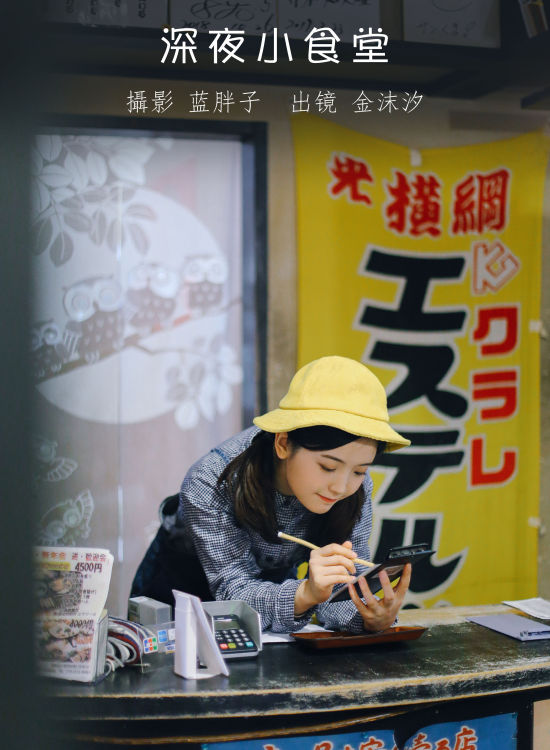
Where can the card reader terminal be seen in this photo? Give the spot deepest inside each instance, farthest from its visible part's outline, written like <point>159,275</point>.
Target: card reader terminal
<point>232,638</point>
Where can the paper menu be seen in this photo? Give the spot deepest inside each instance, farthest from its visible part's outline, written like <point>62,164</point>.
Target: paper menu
<point>536,607</point>
<point>71,587</point>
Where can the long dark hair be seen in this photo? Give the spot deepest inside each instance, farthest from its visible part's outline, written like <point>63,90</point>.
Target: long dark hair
<point>250,480</point>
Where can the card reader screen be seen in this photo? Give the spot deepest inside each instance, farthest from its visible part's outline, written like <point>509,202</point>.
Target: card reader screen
<point>223,622</point>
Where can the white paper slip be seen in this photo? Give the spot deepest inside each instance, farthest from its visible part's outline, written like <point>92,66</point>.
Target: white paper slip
<point>269,637</point>
<point>536,607</point>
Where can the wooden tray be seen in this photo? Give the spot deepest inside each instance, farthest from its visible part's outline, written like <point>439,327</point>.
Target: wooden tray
<point>342,639</point>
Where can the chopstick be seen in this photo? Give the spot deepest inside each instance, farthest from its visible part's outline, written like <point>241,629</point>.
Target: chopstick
<point>314,546</point>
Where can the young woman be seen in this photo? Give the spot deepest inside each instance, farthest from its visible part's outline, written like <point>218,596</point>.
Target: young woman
<point>302,470</point>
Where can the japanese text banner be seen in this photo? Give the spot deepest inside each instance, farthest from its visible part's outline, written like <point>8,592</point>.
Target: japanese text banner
<point>430,275</point>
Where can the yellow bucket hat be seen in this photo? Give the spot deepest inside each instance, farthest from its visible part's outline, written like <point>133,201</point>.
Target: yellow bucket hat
<point>336,392</point>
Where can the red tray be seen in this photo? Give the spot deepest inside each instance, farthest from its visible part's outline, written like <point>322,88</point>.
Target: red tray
<point>341,639</point>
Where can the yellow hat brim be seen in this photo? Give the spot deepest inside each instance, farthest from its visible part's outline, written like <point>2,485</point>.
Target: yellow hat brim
<point>285,420</point>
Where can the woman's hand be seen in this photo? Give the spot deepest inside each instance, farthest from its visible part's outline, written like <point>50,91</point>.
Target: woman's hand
<point>327,566</point>
<point>379,614</point>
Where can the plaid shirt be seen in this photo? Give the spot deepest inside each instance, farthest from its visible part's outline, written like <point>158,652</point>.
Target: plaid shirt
<point>237,561</point>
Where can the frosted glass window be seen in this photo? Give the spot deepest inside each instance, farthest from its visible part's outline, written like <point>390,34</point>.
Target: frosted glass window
<point>137,329</point>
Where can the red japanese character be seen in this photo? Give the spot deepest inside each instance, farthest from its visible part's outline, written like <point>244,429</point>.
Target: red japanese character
<point>493,266</point>
<point>396,211</point>
<point>420,742</point>
<point>481,477</point>
<point>442,744</point>
<point>493,194</point>
<point>426,207</point>
<point>481,203</point>
<point>348,173</point>
<point>498,384</point>
<point>466,739</point>
<point>464,207</point>
<point>325,745</point>
<point>372,744</point>
<point>507,342</point>
<point>416,206</point>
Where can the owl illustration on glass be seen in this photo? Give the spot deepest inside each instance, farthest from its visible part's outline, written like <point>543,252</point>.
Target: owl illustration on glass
<point>204,279</point>
<point>67,521</point>
<point>48,466</point>
<point>48,352</point>
<point>96,326</point>
<point>151,294</point>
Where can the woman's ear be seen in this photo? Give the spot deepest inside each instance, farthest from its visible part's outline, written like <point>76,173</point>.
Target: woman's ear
<point>281,445</point>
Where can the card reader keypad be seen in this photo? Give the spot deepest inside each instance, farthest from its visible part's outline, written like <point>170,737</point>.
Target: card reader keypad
<point>234,639</point>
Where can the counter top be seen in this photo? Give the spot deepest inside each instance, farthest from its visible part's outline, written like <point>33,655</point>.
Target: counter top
<point>454,659</point>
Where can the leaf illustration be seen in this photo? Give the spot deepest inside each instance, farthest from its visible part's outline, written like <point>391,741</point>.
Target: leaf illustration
<point>54,176</point>
<point>78,221</point>
<point>74,203</point>
<point>78,170</point>
<point>97,168</point>
<point>99,227</point>
<point>78,148</point>
<point>94,195</point>
<point>61,194</point>
<point>231,373</point>
<point>43,236</point>
<point>125,168</point>
<point>122,193</point>
<point>141,241</point>
<point>115,235</point>
<point>187,415</point>
<point>140,211</point>
<point>40,197</point>
<point>62,249</point>
<point>49,146</point>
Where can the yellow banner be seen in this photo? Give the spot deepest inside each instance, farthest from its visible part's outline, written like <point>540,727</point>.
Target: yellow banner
<point>426,267</point>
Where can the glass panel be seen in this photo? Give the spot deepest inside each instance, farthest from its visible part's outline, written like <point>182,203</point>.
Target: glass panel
<point>137,330</point>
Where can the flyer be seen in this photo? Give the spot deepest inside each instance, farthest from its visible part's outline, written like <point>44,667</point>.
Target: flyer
<point>71,587</point>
